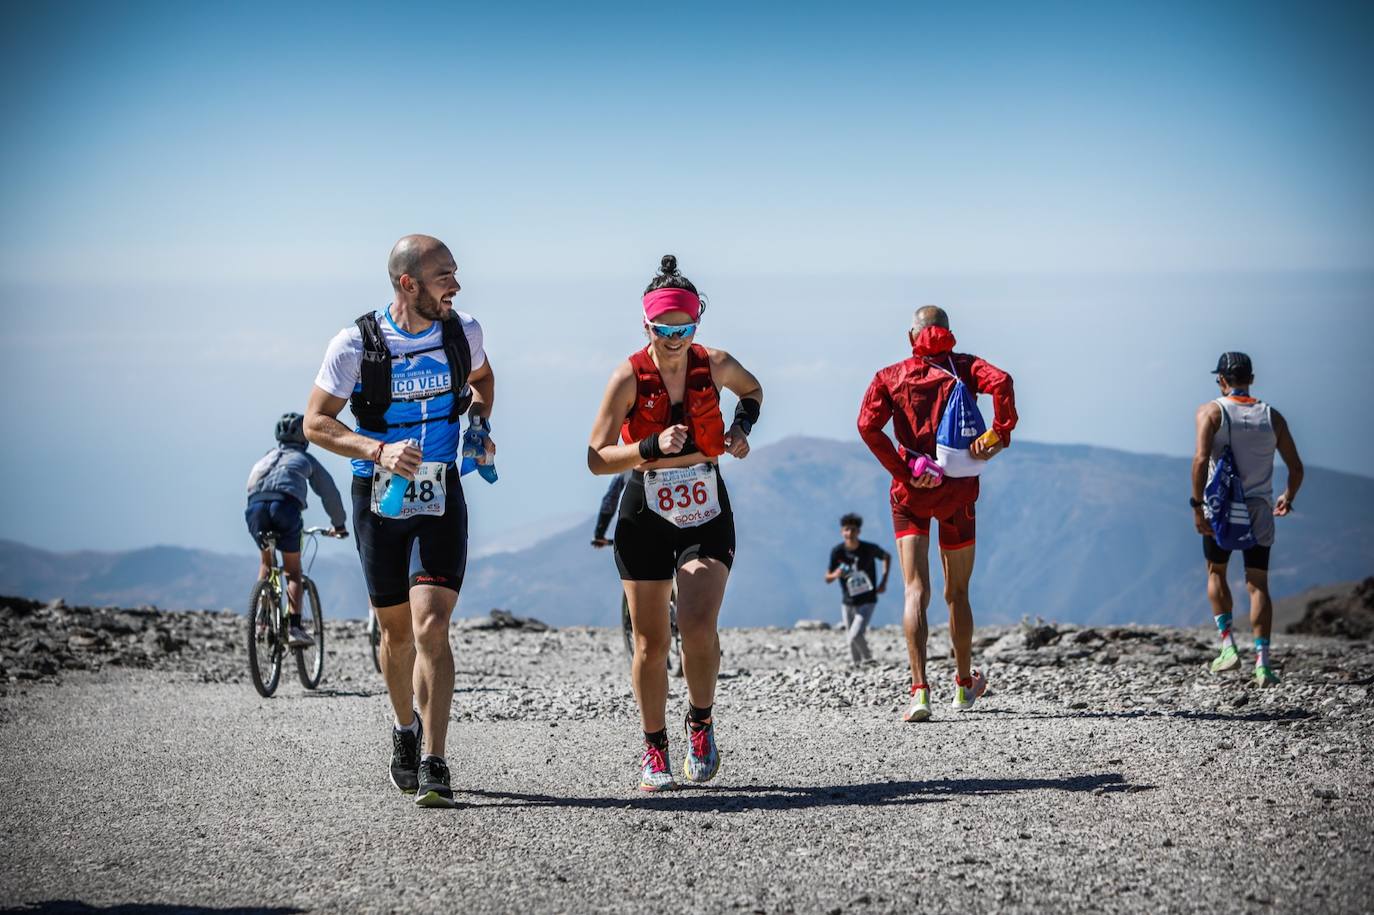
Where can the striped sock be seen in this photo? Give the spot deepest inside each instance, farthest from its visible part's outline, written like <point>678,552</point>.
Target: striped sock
<point>1223,621</point>
<point>1261,652</point>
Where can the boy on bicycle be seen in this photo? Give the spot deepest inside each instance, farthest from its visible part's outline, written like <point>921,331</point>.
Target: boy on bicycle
<point>276,498</point>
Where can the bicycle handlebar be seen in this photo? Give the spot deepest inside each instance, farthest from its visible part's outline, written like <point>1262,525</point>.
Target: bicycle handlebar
<point>327,531</point>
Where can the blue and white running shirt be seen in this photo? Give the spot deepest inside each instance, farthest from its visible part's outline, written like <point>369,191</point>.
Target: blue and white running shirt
<point>421,387</point>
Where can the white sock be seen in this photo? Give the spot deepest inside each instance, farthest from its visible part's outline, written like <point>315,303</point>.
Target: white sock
<point>414,725</point>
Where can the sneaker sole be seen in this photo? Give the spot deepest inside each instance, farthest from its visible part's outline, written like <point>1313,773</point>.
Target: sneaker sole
<point>687,774</point>
<point>656,788</point>
<point>434,799</point>
<point>402,788</point>
<point>1230,665</point>
<point>921,714</point>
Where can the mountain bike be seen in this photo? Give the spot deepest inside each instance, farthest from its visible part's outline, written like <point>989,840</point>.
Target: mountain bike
<point>268,623</point>
<point>674,649</point>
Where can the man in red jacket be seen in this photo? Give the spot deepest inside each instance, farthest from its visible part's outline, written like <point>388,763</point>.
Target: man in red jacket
<point>913,394</point>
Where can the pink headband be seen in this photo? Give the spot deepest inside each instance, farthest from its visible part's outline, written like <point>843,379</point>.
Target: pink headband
<point>661,301</point>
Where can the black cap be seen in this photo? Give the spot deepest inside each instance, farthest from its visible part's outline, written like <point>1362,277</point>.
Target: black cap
<point>1236,365</point>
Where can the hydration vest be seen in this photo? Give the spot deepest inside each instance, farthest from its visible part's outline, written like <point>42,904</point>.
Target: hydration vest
<point>370,404</point>
<point>701,402</point>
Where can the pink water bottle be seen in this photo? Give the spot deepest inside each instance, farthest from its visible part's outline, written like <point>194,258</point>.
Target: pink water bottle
<point>921,464</point>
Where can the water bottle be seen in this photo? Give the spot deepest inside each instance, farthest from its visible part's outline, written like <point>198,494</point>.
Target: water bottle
<point>474,452</point>
<point>395,495</point>
<point>920,464</point>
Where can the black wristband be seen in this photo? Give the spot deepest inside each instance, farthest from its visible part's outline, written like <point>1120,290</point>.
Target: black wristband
<point>649,449</point>
<point>746,414</point>
<point>1195,503</point>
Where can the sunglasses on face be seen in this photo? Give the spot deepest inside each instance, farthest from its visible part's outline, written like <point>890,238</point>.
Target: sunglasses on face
<point>672,331</point>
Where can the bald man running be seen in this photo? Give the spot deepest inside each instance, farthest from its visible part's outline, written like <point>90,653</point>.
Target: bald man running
<point>408,373</point>
<point>913,394</point>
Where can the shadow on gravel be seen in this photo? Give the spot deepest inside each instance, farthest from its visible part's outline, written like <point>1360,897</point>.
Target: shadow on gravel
<point>329,692</point>
<point>1296,714</point>
<point>787,797</point>
<point>72,907</point>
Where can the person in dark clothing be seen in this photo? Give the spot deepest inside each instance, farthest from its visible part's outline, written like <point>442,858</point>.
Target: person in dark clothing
<point>610,502</point>
<point>854,563</point>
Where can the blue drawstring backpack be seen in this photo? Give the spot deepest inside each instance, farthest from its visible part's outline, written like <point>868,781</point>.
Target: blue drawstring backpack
<point>960,425</point>
<point>1224,499</point>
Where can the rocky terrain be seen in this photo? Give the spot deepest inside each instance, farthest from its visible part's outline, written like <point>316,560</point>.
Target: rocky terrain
<point>1106,770</point>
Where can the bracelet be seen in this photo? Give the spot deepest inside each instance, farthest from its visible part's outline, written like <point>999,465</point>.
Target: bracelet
<point>649,449</point>
<point>377,456</point>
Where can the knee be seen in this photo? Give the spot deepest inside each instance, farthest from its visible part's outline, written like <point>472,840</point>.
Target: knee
<point>397,638</point>
<point>651,650</point>
<point>956,593</point>
<point>431,632</point>
<point>916,593</point>
<point>694,630</point>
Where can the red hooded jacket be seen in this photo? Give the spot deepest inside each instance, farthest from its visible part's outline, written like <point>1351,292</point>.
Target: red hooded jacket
<point>912,394</point>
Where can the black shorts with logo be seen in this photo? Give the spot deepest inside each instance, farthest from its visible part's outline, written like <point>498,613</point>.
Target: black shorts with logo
<point>385,544</point>
<point>650,548</point>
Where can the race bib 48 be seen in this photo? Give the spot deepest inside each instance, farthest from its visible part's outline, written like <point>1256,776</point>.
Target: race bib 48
<point>425,495</point>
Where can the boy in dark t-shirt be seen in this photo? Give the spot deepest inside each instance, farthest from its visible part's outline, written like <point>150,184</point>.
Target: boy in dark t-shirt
<point>854,563</point>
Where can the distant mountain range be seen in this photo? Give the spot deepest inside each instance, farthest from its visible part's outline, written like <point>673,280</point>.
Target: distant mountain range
<point>1070,533</point>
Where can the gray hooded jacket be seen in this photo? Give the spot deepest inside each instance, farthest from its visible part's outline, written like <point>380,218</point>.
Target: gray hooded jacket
<point>285,471</point>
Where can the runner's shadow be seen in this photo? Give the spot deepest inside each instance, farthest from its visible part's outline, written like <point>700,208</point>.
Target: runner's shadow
<point>1295,714</point>
<point>73,907</point>
<point>730,798</point>
<point>329,692</point>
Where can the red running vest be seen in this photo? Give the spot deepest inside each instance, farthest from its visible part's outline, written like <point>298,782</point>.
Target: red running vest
<point>653,409</point>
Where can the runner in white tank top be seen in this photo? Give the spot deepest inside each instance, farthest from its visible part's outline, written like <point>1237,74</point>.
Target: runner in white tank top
<point>1254,431</point>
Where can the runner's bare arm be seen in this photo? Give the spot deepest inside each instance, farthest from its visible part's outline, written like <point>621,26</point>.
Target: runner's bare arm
<point>1288,450</point>
<point>604,453</point>
<point>741,382</point>
<point>1208,421</point>
<point>322,427</point>
<point>483,383</point>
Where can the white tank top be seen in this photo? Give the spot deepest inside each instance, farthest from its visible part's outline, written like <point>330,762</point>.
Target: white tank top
<point>1248,428</point>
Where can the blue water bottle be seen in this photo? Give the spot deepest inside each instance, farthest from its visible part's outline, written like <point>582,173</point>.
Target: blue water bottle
<point>395,495</point>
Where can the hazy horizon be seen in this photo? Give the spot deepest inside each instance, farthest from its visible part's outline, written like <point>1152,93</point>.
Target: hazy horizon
<point>195,199</point>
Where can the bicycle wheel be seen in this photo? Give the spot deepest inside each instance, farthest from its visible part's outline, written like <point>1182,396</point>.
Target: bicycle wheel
<point>675,646</point>
<point>264,640</point>
<point>374,639</point>
<point>310,661</point>
<point>627,628</point>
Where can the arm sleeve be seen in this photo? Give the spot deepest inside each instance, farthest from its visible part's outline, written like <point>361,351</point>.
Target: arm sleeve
<point>993,381</point>
<point>324,487</point>
<point>874,413</point>
<point>834,559</point>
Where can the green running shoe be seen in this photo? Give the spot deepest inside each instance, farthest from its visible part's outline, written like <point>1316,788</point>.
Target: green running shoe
<point>919,709</point>
<point>965,696</point>
<point>1264,676</point>
<point>1227,660</point>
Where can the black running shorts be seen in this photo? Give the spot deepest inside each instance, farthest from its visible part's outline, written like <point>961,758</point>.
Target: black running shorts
<point>1257,557</point>
<point>649,548</point>
<point>385,545</point>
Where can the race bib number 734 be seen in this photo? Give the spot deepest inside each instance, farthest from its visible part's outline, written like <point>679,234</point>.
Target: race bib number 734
<point>684,496</point>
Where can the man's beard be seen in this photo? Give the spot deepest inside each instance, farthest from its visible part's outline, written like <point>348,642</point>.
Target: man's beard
<point>428,307</point>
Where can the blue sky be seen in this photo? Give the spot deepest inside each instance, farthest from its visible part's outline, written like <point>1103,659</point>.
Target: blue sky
<point>1104,196</point>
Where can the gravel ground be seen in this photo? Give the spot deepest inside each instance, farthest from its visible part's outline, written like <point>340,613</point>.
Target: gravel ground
<point>1104,771</point>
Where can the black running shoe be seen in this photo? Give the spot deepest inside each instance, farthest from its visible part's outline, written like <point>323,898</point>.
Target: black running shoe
<point>405,757</point>
<point>434,789</point>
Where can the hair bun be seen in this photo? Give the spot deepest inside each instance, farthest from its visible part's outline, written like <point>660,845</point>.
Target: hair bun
<point>668,266</point>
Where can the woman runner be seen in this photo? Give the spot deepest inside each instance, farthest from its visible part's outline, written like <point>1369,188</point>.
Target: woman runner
<point>661,418</point>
